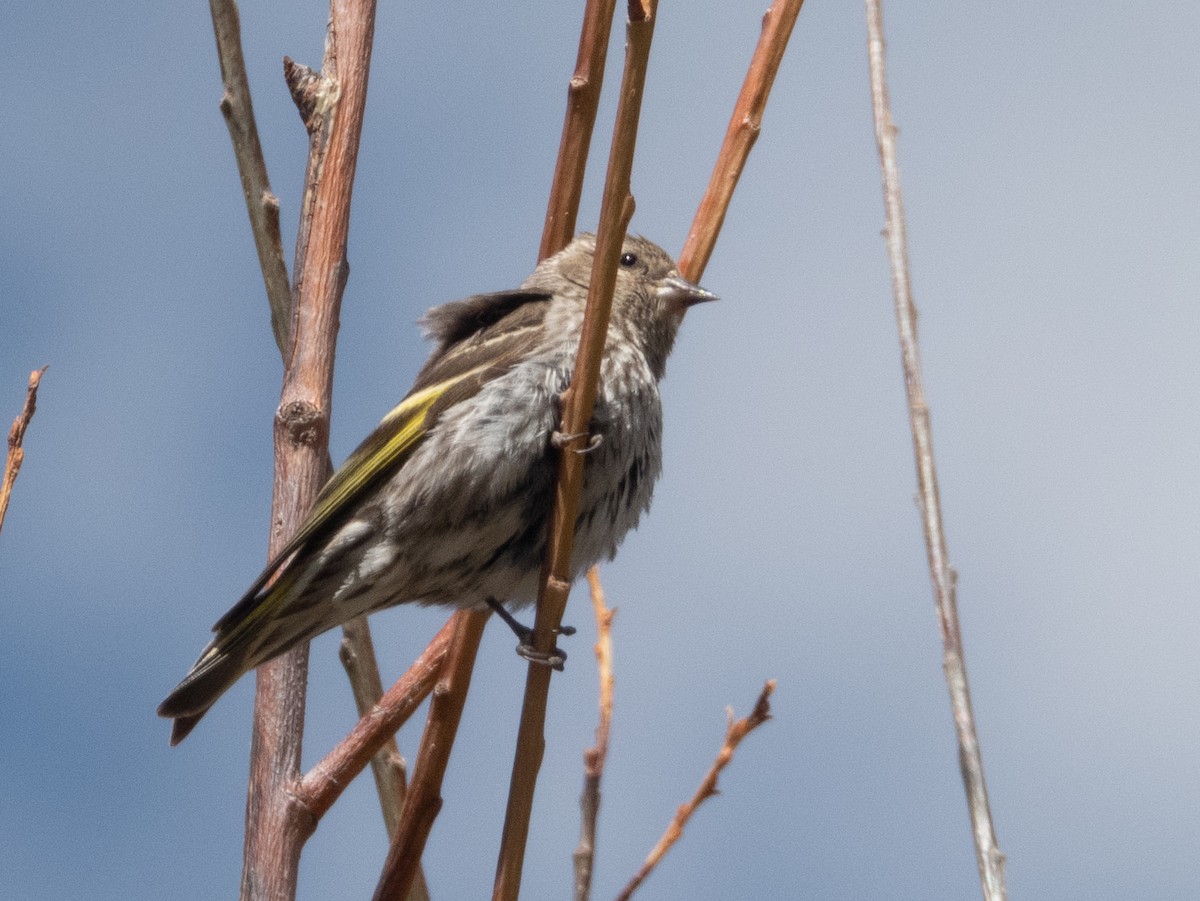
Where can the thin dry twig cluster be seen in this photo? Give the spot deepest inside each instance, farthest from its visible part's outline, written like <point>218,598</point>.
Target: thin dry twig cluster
<point>357,653</point>
<point>595,757</point>
<point>261,203</point>
<point>734,733</point>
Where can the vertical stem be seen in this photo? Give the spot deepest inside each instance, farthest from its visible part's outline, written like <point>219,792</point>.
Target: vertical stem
<point>615,213</point>
<point>987,851</point>
<point>276,827</point>
<point>583,99</point>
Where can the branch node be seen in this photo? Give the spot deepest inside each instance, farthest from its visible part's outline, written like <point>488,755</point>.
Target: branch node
<point>303,422</point>
<point>300,813</point>
<point>307,88</point>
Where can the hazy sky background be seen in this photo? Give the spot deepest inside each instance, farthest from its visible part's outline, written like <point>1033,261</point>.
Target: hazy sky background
<point>1049,161</point>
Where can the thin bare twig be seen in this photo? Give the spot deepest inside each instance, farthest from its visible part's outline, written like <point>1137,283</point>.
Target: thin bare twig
<point>424,797</point>
<point>987,851</point>
<point>274,833</point>
<point>744,127</point>
<point>357,653</point>
<point>734,733</point>
<point>583,99</point>
<point>16,453</point>
<point>261,202</point>
<point>615,212</point>
<point>594,757</point>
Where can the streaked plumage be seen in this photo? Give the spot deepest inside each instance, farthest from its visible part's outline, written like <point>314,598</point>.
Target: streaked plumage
<point>447,501</point>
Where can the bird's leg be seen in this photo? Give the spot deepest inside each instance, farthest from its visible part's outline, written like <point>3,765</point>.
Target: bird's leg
<point>555,659</point>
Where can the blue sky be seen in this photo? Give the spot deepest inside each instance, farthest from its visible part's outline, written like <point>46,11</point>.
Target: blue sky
<point>1048,159</point>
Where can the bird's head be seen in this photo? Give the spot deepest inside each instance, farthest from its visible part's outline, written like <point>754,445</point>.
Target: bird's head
<point>650,297</point>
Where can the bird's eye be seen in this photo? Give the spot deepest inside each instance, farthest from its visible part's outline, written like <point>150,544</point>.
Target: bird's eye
<point>628,259</point>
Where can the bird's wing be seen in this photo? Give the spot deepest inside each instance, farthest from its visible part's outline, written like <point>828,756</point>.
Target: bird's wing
<point>454,322</point>
<point>455,372</point>
<point>382,453</point>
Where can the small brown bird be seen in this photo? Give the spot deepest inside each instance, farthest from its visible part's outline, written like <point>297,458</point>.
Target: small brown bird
<point>448,500</point>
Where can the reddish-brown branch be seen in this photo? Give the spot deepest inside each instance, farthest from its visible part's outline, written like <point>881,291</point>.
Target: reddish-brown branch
<point>424,796</point>
<point>583,99</point>
<point>16,435</point>
<point>357,651</point>
<point>326,781</point>
<point>987,850</point>
<point>734,734</point>
<point>263,207</point>
<point>615,212</point>
<point>744,127</point>
<point>274,835</point>
<point>594,757</point>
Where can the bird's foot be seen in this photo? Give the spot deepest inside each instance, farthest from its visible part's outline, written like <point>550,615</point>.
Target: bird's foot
<point>559,440</point>
<point>553,659</point>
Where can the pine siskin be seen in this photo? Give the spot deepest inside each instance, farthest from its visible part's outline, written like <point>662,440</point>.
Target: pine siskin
<point>447,501</point>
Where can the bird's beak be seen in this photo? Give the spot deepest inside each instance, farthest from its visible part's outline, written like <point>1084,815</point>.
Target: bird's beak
<point>681,294</point>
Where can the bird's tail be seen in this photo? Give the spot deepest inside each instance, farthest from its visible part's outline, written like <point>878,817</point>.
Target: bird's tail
<point>258,628</point>
<point>211,676</point>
